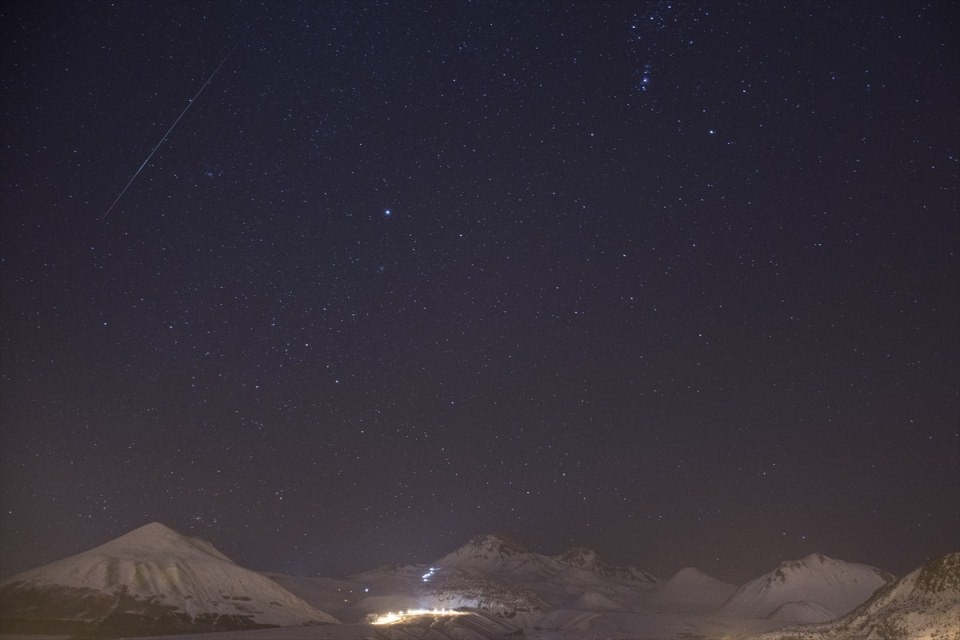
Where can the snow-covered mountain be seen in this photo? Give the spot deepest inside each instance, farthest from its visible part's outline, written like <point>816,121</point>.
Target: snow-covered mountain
<point>588,560</point>
<point>493,553</point>
<point>813,589</point>
<point>490,574</point>
<point>155,580</point>
<point>505,576</point>
<point>924,604</point>
<point>150,580</point>
<point>692,591</point>
<point>499,555</point>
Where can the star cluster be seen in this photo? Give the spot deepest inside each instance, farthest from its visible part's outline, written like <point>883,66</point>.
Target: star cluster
<point>674,281</point>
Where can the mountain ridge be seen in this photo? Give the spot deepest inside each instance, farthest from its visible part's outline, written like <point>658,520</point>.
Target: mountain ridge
<point>153,579</point>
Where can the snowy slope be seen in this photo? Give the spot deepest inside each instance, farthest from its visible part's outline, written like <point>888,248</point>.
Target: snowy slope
<point>816,586</point>
<point>923,605</point>
<point>803,611</point>
<point>152,577</point>
<point>692,591</point>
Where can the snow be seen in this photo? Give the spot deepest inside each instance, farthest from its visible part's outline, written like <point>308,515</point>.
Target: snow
<point>803,612</point>
<point>593,601</point>
<point>164,569</point>
<point>692,591</point>
<point>923,605</point>
<point>506,589</point>
<point>827,586</point>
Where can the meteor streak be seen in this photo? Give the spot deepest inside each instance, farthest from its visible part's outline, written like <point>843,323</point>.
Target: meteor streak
<point>175,122</point>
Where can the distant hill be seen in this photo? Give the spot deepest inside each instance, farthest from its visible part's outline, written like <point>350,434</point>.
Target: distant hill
<point>692,591</point>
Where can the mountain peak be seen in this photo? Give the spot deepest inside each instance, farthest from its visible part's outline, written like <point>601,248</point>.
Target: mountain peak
<point>814,560</point>
<point>689,575</point>
<point>692,590</point>
<point>491,552</point>
<point>819,564</point>
<point>493,544</point>
<point>581,557</point>
<point>155,526</point>
<point>154,538</point>
<point>151,532</point>
<point>588,560</point>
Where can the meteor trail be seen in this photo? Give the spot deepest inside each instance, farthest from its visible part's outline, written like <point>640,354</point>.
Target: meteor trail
<point>185,109</point>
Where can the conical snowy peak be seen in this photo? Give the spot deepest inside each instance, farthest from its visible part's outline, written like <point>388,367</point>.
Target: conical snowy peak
<point>153,534</point>
<point>825,584</point>
<point>151,531</point>
<point>148,581</point>
<point>156,538</point>
<point>690,576</point>
<point>691,590</point>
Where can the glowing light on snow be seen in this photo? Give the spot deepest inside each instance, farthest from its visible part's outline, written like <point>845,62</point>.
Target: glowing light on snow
<point>401,616</point>
<point>429,574</point>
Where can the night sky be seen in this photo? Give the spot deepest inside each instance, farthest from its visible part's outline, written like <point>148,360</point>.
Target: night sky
<point>678,282</point>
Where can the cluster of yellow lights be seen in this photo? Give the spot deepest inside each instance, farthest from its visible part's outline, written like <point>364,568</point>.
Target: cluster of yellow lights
<point>400,616</point>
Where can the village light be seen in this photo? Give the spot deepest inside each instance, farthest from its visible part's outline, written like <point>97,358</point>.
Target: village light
<point>402,616</point>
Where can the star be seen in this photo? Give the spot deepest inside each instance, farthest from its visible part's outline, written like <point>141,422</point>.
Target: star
<point>573,222</point>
